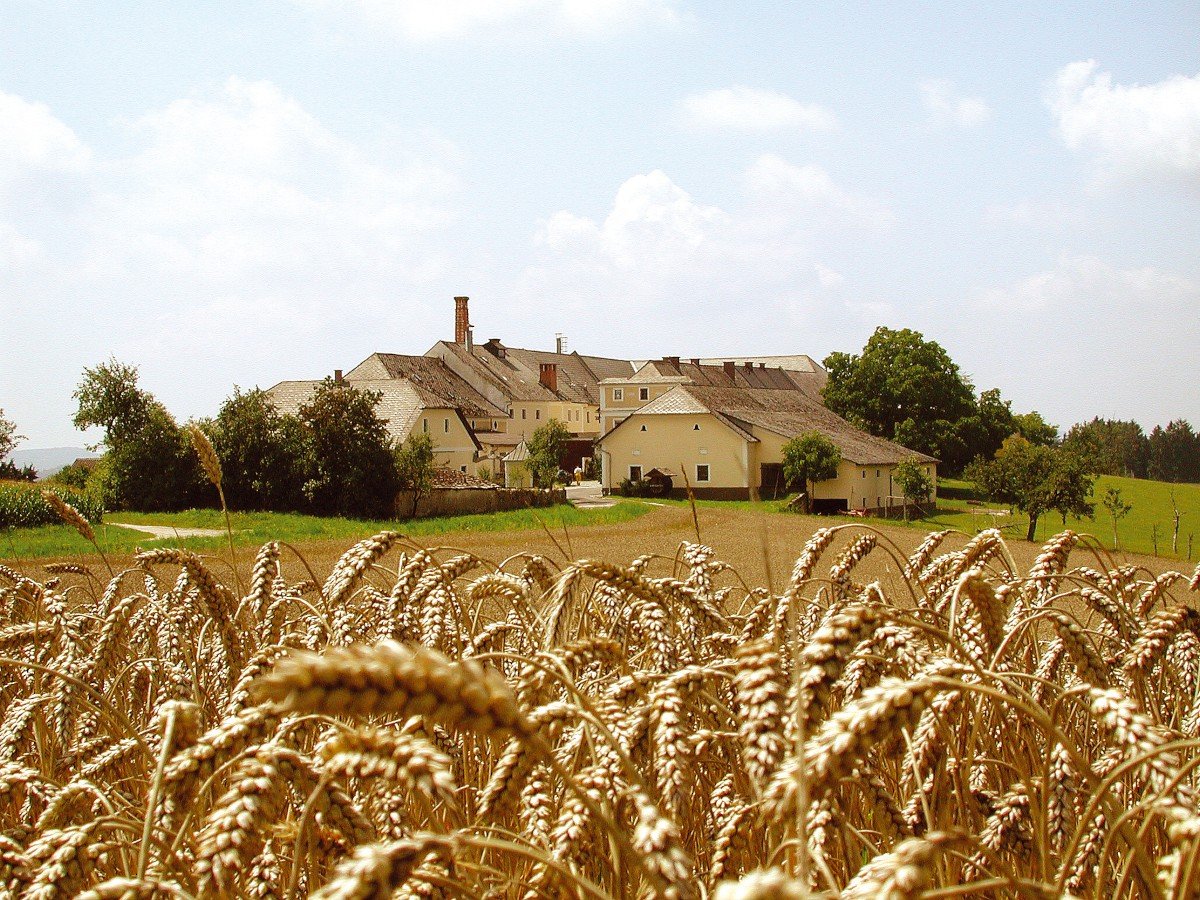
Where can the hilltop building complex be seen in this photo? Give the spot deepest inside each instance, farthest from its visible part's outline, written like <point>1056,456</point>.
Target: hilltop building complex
<point>722,421</point>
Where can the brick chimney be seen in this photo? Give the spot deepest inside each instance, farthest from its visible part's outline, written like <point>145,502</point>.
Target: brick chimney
<point>749,365</point>
<point>695,361</point>
<point>548,376</point>
<point>494,347</point>
<point>337,376</point>
<point>672,361</point>
<point>462,321</point>
<point>730,366</point>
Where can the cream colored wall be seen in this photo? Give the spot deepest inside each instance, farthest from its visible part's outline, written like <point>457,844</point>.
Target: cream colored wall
<point>452,448</point>
<point>670,441</point>
<point>851,484</point>
<point>612,411</point>
<point>580,418</point>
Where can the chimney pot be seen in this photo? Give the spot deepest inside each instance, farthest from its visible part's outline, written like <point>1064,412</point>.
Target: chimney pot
<point>462,320</point>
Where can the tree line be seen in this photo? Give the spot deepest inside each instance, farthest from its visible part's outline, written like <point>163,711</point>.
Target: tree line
<point>333,458</point>
<point>907,389</point>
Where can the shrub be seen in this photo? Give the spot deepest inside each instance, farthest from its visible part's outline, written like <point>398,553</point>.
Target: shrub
<point>640,488</point>
<point>22,505</point>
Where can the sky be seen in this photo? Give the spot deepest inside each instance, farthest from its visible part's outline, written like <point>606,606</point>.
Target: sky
<point>238,193</point>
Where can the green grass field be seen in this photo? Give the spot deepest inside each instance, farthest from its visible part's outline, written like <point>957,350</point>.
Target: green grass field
<point>1152,507</point>
<point>256,529</point>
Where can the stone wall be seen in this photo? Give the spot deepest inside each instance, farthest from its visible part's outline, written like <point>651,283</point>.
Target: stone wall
<point>470,501</point>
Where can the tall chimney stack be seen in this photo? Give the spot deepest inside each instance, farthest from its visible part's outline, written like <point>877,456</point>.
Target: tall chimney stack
<point>729,365</point>
<point>462,321</point>
<point>548,376</point>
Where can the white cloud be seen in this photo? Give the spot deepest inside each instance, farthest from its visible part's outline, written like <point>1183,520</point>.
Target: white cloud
<point>944,104</point>
<point>809,193</point>
<point>661,260</point>
<point>238,237</point>
<point>427,20</point>
<point>747,109</point>
<point>247,182</point>
<point>1086,284</point>
<point>1086,337</point>
<point>33,139</point>
<point>1130,130</point>
<point>829,278</point>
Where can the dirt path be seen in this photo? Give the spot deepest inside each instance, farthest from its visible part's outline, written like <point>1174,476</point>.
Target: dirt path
<point>168,531</point>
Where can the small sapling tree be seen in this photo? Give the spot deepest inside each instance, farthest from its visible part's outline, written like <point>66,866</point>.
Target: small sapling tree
<point>914,483</point>
<point>810,458</point>
<point>414,465</point>
<point>1117,510</point>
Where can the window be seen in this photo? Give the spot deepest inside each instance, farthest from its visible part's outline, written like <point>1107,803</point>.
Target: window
<point>537,413</point>
<point>462,469</point>
<point>864,473</point>
<point>696,427</point>
<point>643,393</point>
<point>446,425</point>
<point>876,473</point>
<point>589,417</point>
<point>618,393</point>
<point>493,424</point>
<point>425,425</point>
<point>635,473</point>
<point>702,472</point>
<point>643,428</point>
<point>522,413</point>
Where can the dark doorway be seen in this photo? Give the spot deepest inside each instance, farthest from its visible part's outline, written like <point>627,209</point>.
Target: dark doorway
<point>770,481</point>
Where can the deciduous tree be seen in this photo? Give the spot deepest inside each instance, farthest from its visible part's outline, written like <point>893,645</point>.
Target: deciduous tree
<point>1035,480</point>
<point>809,458</point>
<point>149,464</point>
<point>914,483</point>
<point>414,466</point>
<point>262,453</point>
<point>546,447</point>
<point>899,378</point>
<point>351,471</point>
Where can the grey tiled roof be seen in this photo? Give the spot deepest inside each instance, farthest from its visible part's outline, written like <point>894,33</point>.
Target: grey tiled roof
<point>434,381</point>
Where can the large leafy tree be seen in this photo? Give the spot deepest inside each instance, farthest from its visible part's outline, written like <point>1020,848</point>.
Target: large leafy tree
<point>809,458</point>
<point>1035,479</point>
<point>262,453</point>
<point>546,446</point>
<point>352,471</point>
<point>901,387</point>
<point>149,463</point>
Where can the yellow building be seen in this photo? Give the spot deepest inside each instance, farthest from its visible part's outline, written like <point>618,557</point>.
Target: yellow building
<point>621,396</point>
<point>729,442</point>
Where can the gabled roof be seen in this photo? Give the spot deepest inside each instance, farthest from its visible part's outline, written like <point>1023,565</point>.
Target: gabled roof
<point>432,379</point>
<point>744,374</point>
<point>516,372</point>
<point>400,404</point>
<point>786,413</point>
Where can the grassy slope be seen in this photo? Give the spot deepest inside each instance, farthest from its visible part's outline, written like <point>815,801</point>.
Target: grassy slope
<point>1151,501</point>
<point>255,529</point>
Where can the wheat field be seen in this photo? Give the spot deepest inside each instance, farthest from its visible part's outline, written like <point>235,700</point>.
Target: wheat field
<point>425,723</point>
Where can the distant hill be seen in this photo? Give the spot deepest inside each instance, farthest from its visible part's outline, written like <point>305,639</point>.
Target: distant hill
<point>49,460</point>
